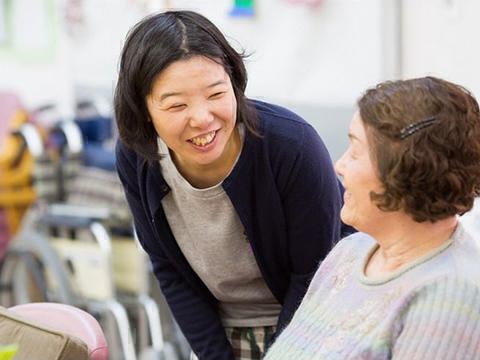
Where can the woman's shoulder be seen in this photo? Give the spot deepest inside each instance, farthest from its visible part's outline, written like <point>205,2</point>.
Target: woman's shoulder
<point>287,135</point>
<point>278,120</point>
<point>464,255</point>
<point>356,241</point>
<point>127,161</point>
<point>351,248</point>
<point>455,267</point>
<point>343,261</point>
<point>270,110</point>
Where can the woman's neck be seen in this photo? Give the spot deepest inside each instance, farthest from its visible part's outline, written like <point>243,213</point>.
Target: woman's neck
<point>405,242</point>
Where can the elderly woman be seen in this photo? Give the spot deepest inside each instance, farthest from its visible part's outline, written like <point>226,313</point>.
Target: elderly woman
<point>405,286</point>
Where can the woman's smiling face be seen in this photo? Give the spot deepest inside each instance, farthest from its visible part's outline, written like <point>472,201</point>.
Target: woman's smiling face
<point>193,109</point>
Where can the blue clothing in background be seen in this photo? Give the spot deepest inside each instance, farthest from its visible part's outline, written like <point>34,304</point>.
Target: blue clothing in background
<point>95,131</point>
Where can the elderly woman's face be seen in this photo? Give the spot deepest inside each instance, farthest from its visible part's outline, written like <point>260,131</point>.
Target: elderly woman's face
<point>359,179</point>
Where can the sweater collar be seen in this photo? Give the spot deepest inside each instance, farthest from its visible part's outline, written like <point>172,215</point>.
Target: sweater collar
<point>458,233</point>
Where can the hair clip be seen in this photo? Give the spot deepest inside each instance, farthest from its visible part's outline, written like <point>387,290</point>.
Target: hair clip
<point>413,128</point>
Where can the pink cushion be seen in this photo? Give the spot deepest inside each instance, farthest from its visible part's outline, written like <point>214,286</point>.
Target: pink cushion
<point>70,320</point>
<point>9,103</point>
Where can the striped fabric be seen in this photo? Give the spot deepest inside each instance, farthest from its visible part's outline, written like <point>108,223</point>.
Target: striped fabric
<point>428,309</point>
<point>248,343</point>
<point>98,188</point>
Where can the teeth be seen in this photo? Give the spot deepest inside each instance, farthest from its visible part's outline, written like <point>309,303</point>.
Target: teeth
<point>203,140</point>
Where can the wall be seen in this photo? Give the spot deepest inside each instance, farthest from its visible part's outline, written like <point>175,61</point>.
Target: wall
<point>440,38</point>
<point>35,63</point>
<point>84,50</point>
<point>315,56</point>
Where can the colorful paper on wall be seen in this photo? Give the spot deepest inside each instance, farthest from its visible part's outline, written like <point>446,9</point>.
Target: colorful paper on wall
<point>243,8</point>
<point>308,3</point>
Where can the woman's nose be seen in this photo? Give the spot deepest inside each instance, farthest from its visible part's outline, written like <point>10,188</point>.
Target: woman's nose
<point>339,166</point>
<point>200,116</point>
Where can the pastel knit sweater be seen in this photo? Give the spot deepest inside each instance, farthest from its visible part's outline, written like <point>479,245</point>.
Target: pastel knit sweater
<point>429,309</point>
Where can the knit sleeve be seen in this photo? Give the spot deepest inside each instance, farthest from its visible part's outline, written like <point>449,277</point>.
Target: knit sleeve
<point>441,321</point>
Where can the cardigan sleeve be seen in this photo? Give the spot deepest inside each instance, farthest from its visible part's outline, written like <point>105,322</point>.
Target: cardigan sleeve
<point>196,317</point>
<point>440,321</point>
<point>312,201</point>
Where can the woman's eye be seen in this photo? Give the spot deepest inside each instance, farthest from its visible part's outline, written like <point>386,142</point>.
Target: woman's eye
<point>177,107</point>
<point>217,94</point>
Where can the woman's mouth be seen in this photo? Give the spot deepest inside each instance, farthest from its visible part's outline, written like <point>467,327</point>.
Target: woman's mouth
<point>203,140</point>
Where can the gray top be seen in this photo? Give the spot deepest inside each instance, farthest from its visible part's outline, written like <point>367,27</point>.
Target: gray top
<point>211,236</point>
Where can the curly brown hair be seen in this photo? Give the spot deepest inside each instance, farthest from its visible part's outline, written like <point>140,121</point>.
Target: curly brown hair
<point>424,136</point>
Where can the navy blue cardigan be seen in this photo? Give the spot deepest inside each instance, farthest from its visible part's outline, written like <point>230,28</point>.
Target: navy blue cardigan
<point>288,198</point>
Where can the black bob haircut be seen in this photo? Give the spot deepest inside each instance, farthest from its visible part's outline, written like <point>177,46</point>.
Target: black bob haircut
<point>152,45</point>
